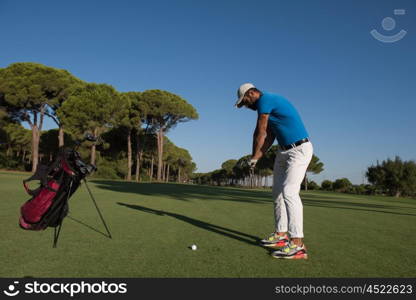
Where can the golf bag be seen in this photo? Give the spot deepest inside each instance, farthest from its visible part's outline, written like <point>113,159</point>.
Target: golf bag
<point>49,203</point>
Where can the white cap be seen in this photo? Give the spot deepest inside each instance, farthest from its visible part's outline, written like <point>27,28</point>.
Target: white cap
<point>242,90</point>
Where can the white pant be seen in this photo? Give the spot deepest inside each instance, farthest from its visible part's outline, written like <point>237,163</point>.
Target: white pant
<point>288,172</point>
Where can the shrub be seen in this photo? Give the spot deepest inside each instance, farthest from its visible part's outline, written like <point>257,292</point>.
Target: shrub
<point>342,185</point>
<point>9,163</point>
<point>106,169</point>
<point>326,185</point>
<point>312,185</point>
<point>394,177</point>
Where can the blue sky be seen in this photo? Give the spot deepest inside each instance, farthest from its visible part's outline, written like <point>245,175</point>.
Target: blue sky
<point>356,95</point>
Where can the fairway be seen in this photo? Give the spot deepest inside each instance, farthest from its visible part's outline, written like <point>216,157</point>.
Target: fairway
<point>154,224</point>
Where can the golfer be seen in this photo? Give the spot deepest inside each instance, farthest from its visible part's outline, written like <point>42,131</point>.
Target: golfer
<point>277,118</point>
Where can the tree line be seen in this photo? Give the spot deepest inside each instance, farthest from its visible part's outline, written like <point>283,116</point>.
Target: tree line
<point>236,172</point>
<point>391,177</point>
<point>131,125</point>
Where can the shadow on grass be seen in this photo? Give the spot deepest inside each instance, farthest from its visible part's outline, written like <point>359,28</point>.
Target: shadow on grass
<point>315,201</point>
<point>185,192</point>
<point>234,234</point>
<point>88,226</point>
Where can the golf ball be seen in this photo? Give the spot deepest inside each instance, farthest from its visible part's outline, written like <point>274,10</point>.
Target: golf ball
<point>193,247</point>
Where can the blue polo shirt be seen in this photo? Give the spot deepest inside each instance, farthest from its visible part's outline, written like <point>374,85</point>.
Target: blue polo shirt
<point>284,119</point>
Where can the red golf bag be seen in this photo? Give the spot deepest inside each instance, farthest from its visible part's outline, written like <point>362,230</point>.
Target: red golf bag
<point>49,202</point>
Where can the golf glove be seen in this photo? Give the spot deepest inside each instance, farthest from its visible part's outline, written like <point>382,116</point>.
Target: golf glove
<point>252,163</point>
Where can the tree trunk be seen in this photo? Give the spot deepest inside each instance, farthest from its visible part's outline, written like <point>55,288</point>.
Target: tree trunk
<point>151,170</point>
<point>24,156</point>
<point>138,161</point>
<point>167,173</point>
<point>35,148</point>
<point>138,157</point>
<point>92,160</point>
<point>61,136</point>
<point>165,168</point>
<point>306,182</point>
<point>159,154</point>
<point>179,174</point>
<point>93,148</point>
<point>129,160</point>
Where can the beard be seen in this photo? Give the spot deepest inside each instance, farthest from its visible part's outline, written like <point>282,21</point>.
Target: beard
<point>252,106</point>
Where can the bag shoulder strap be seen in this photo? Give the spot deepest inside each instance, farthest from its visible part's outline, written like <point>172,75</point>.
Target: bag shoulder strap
<point>42,174</point>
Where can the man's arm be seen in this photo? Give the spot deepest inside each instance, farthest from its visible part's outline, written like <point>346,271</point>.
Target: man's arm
<point>263,137</point>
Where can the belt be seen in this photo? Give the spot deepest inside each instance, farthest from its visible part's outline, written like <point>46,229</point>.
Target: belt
<point>295,144</point>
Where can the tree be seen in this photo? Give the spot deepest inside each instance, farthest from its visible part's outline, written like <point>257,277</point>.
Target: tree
<point>184,164</point>
<point>219,176</point>
<point>4,119</point>
<point>263,169</point>
<point>29,91</point>
<point>67,83</point>
<point>360,189</point>
<point>49,146</point>
<point>394,177</point>
<point>166,111</point>
<point>176,159</point>
<point>112,152</point>
<point>265,165</point>
<point>327,185</point>
<point>136,113</point>
<point>93,108</point>
<point>228,167</point>
<point>147,150</point>
<point>242,170</point>
<point>16,139</point>
<point>315,167</point>
<point>170,159</point>
<point>313,185</point>
<point>342,185</point>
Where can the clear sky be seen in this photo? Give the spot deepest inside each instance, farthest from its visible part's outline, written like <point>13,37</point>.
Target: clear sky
<point>356,95</point>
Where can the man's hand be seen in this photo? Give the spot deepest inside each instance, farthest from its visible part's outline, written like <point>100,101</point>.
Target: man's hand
<point>252,163</point>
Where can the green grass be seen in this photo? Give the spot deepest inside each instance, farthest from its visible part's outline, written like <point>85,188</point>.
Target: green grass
<point>153,225</point>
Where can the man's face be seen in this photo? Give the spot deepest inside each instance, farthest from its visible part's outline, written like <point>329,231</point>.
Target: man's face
<point>249,99</point>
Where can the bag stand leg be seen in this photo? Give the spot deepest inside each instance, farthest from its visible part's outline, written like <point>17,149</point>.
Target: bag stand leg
<point>56,233</point>
<point>57,230</point>
<point>98,210</point>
